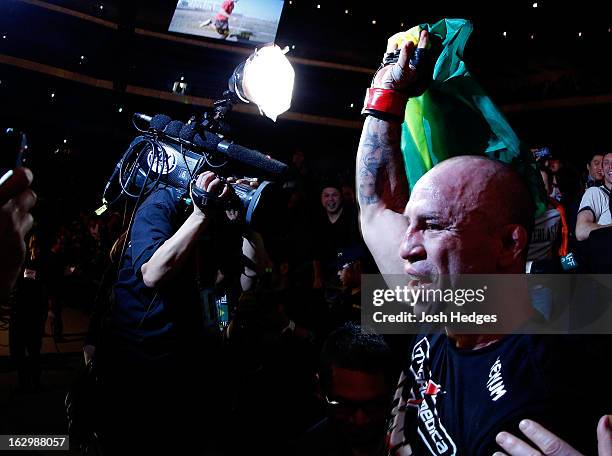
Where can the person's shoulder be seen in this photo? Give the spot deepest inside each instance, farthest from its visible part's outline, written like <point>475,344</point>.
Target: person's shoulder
<point>591,192</point>
<point>163,197</point>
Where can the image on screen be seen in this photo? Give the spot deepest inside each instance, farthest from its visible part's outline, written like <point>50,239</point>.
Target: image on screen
<point>245,21</point>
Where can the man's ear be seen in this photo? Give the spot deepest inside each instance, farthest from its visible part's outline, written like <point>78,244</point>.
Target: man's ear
<point>514,245</point>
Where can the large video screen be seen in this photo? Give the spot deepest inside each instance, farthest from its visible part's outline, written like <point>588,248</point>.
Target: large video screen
<point>245,21</point>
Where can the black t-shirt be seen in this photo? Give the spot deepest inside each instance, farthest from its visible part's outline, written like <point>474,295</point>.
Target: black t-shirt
<point>453,401</point>
<point>331,237</point>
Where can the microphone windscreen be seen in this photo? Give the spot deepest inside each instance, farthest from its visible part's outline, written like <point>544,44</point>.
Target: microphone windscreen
<point>159,122</point>
<point>210,141</point>
<point>256,159</point>
<point>187,132</point>
<point>174,128</point>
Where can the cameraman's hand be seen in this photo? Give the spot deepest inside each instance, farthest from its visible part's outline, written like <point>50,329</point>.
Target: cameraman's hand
<point>16,200</point>
<point>402,76</point>
<point>211,183</point>
<point>234,215</point>
<point>252,182</point>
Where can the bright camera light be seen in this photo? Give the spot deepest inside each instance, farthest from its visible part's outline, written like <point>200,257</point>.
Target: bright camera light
<point>265,79</point>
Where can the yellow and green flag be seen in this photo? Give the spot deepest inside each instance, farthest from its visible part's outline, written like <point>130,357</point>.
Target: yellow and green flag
<point>456,117</point>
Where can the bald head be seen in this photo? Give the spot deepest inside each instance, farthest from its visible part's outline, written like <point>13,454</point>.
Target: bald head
<point>468,215</point>
<point>479,185</point>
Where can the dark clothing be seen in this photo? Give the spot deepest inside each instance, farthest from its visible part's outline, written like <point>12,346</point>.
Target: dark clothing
<point>168,319</point>
<point>455,401</point>
<point>331,237</point>
<point>161,357</point>
<point>102,305</point>
<point>55,280</point>
<point>323,440</point>
<point>273,389</point>
<point>27,327</point>
<point>595,252</point>
<point>346,308</point>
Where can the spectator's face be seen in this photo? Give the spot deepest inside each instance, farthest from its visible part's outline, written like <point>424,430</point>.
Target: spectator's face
<point>595,168</point>
<point>331,200</point>
<point>607,169</point>
<point>362,404</point>
<point>452,224</point>
<point>554,165</point>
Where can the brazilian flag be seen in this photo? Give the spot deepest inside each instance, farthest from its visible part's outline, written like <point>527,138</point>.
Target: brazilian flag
<point>456,117</point>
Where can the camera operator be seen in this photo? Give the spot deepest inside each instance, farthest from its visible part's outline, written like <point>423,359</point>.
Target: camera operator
<point>160,358</point>
<point>16,200</point>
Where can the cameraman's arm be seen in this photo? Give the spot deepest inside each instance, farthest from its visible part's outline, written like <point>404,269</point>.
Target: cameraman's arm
<point>382,186</point>
<point>254,250</point>
<point>171,255</point>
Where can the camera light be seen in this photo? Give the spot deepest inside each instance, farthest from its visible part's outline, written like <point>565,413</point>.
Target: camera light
<point>266,79</point>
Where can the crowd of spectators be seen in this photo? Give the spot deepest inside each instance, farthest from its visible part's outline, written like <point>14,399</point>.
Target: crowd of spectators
<point>275,380</point>
<point>578,206</point>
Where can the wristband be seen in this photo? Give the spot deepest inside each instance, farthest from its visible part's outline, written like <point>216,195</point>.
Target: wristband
<point>385,104</point>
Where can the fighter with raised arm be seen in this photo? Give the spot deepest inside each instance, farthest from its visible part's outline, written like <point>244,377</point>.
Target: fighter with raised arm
<point>382,185</point>
<point>467,215</point>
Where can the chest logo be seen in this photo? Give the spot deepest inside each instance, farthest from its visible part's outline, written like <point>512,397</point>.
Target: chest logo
<point>495,382</point>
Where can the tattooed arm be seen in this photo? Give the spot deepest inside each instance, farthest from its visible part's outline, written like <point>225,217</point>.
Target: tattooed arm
<point>382,191</point>
<point>382,187</point>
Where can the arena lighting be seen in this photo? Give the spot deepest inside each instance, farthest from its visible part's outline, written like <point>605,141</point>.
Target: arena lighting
<point>266,79</point>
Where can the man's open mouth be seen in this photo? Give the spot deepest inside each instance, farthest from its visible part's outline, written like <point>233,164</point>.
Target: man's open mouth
<point>419,281</point>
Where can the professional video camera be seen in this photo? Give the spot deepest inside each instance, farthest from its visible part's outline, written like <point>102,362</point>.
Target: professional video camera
<point>174,153</point>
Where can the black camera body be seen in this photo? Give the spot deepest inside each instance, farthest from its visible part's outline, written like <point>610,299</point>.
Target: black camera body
<point>174,154</point>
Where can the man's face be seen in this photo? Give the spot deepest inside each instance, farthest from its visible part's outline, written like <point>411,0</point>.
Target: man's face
<point>361,405</point>
<point>450,229</point>
<point>607,168</point>
<point>331,199</point>
<point>595,168</point>
<point>554,165</point>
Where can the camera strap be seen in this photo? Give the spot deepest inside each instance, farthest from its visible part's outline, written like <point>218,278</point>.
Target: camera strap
<point>205,200</point>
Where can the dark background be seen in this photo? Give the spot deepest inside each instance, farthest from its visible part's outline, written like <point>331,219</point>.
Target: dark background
<point>553,84</point>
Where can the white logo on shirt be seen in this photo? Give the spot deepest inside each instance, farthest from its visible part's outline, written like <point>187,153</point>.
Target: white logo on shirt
<point>495,384</point>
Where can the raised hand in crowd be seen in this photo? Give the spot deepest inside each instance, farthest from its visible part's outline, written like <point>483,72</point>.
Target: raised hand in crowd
<point>16,200</point>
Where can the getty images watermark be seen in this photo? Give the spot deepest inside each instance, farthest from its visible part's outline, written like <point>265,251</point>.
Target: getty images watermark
<point>410,296</point>
<point>488,304</point>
